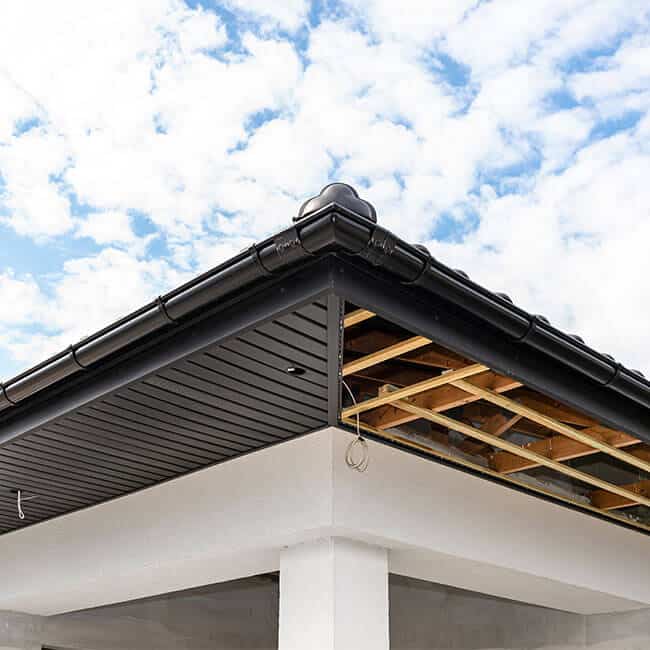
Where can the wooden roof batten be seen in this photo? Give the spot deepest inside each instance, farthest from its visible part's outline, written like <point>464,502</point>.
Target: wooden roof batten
<point>553,425</point>
<point>356,317</point>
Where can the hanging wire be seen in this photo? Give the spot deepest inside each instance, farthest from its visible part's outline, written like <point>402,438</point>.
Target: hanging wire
<point>358,444</point>
<point>19,504</point>
<point>20,499</point>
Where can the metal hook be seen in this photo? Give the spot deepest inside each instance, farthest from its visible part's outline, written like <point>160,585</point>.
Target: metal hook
<point>19,503</point>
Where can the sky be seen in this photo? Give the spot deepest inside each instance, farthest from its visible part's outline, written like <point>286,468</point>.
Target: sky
<point>144,142</point>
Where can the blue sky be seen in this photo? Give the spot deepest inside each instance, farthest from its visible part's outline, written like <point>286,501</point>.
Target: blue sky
<point>140,145</point>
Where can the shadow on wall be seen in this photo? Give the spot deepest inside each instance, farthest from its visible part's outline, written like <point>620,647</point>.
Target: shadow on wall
<point>243,614</point>
<point>429,616</point>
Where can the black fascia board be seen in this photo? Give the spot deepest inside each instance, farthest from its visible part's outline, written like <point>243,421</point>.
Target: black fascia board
<point>531,348</point>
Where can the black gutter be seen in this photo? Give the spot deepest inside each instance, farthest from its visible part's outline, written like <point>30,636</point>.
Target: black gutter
<point>333,228</point>
<point>246,310</point>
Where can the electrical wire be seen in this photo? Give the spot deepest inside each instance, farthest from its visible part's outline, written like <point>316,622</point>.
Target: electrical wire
<point>20,499</point>
<point>360,464</point>
<point>19,504</point>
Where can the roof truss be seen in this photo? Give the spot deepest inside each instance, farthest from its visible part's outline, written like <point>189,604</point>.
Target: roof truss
<point>511,430</point>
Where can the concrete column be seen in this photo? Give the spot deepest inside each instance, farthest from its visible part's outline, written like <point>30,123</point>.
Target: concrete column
<point>333,596</point>
<point>20,631</point>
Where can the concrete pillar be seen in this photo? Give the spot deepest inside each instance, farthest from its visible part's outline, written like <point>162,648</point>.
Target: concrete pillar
<point>20,631</point>
<point>333,596</point>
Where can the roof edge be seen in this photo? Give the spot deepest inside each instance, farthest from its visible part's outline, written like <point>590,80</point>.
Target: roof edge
<point>332,228</point>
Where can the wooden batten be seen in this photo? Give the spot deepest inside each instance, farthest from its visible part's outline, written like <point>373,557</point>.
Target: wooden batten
<point>384,354</point>
<point>552,424</point>
<point>356,317</point>
<point>414,389</point>
<point>524,452</point>
<point>440,399</point>
<point>558,448</point>
<point>608,501</point>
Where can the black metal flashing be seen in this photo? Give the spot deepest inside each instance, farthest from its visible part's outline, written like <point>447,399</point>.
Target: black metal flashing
<point>329,227</point>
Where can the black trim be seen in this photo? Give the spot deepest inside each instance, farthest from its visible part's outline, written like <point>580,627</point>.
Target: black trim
<point>430,315</point>
<point>334,356</point>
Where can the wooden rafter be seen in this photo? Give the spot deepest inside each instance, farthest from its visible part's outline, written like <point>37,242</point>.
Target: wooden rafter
<point>385,374</point>
<point>554,409</point>
<point>480,469</point>
<point>642,451</point>
<point>498,425</point>
<point>433,357</point>
<point>439,399</point>
<point>357,316</point>
<point>384,354</point>
<point>524,452</point>
<point>608,501</point>
<point>481,411</point>
<point>414,389</point>
<point>551,423</point>
<point>561,448</point>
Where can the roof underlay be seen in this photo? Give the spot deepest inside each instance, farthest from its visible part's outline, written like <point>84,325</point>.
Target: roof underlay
<point>253,353</point>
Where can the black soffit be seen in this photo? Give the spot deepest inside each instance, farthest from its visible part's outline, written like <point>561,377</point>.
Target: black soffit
<point>228,399</point>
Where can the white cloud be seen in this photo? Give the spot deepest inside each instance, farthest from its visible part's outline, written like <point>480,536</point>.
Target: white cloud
<point>107,228</point>
<point>200,30</point>
<point>627,71</point>
<point>561,134</point>
<point>34,203</point>
<point>575,247</point>
<point>288,14</point>
<point>89,294</point>
<point>411,21</point>
<point>113,228</point>
<point>22,300</point>
<point>146,108</point>
<point>95,290</point>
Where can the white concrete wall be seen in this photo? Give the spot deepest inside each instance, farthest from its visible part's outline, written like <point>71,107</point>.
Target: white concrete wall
<point>244,615</point>
<point>232,520</point>
<point>334,596</point>
<point>450,527</point>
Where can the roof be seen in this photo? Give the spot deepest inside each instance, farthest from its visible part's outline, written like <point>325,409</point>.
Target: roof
<point>336,221</point>
<point>252,353</point>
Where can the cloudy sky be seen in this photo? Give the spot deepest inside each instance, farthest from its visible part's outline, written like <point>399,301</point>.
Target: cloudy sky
<point>143,142</point>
